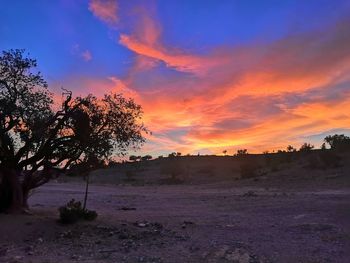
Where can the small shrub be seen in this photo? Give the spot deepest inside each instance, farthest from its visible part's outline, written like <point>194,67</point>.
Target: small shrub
<point>90,215</point>
<point>73,211</point>
<point>241,152</point>
<point>306,147</point>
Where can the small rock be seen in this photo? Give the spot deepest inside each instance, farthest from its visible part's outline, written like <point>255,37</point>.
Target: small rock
<point>125,208</point>
<point>28,248</point>
<point>250,194</point>
<point>142,224</point>
<point>75,257</point>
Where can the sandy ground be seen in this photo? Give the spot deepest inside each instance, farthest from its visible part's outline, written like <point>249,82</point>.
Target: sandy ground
<point>217,222</point>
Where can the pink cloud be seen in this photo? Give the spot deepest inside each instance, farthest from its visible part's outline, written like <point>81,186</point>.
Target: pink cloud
<point>105,10</point>
<point>86,55</point>
<point>260,97</point>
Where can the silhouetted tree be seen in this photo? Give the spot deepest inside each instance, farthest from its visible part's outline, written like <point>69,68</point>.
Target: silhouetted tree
<point>306,147</point>
<point>290,148</point>
<point>242,152</point>
<point>37,142</point>
<point>338,142</point>
<point>173,154</point>
<point>146,157</point>
<point>134,158</point>
<point>224,152</point>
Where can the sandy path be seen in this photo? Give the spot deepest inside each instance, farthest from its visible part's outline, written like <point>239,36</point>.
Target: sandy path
<point>223,224</point>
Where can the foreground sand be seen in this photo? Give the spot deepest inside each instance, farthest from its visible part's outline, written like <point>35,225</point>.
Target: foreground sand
<point>220,222</point>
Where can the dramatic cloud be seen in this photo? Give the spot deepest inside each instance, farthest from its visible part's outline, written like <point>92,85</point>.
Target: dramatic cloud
<point>261,96</point>
<point>105,10</point>
<point>257,97</point>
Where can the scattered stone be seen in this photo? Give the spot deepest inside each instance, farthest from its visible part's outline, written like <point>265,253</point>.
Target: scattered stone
<point>67,234</point>
<point>142,224</point>
<point>238,256</point>
<point>250,194</point>
<point>125,208</point>
<point>186,223</point>
<point>76,257</point>
<point>299,216</point>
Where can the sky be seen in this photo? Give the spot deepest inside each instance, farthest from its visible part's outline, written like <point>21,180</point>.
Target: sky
<point>210,75</point>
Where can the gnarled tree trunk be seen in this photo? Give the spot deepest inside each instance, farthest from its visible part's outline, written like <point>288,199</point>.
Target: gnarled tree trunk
<point>12,198</point>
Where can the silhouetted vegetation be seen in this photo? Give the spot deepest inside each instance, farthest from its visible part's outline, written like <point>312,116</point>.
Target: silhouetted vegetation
<point>290,149</point>
<point>146,158</point>
<point>338,142</point>
<point>134,158</point>
<point>37,142</point>
<point>73,211</point>
<point>306,147</point>
<point>241,152</point>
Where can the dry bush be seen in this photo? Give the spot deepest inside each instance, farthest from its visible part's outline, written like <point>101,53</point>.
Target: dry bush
<point>73,211</point>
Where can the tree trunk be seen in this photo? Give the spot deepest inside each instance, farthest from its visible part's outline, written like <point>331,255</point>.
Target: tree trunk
<point>12,199</point>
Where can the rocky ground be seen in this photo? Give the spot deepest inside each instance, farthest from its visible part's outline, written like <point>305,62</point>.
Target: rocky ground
<point>249,221</point>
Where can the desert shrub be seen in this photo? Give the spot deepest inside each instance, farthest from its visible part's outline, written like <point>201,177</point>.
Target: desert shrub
<point>306,147</point>
<point>90,215</point>
<point>73,211</point>
<point>241,152</point>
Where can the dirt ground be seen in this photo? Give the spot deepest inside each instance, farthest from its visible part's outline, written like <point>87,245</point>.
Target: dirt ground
<point>228,221</point>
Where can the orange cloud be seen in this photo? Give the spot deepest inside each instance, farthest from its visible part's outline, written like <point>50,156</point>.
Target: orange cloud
<point>181,62</point>
<point>105,10</point>
<point>259,97</point>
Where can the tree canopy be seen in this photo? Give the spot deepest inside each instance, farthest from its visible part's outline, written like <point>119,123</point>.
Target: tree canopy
<point>338,142</point>
<point>36,139</point>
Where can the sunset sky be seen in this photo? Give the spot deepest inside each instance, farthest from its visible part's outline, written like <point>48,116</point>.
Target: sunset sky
<point>210,75</point>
